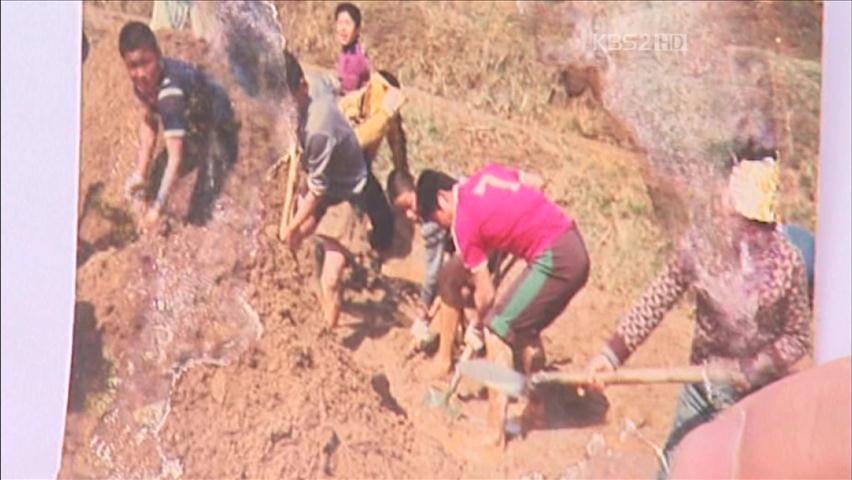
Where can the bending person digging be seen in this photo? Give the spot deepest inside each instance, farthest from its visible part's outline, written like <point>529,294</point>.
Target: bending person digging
<point>446,286</point>
<point>497,209</point>
<point>752,308</point>
<point>199,128</point>
<point>335,185</point>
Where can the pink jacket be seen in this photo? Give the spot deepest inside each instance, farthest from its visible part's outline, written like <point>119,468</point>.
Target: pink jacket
<point>353,68</point>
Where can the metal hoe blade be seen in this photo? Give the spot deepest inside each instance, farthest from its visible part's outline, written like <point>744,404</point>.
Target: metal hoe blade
<point>504,379</point>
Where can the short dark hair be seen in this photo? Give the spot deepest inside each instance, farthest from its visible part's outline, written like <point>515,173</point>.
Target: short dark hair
<point>351,9</point>
<point>136,35</point>
<point>429,183</point>
<point>399,182</point>
<point>293,70</point>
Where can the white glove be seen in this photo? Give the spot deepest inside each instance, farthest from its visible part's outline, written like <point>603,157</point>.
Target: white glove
<point>473,338</point>
<point>133,185</point>
<point>420,330</point>
<point>392,101</point>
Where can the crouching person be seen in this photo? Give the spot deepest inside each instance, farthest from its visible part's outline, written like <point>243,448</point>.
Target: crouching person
<point>199,127</point>
<point>497,209</point>
<point>335,183</point>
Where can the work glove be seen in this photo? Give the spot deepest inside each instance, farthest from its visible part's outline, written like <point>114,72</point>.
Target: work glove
<point>133,185</point>
<point>423,336</point>
<point>392,101</point>
<point>473,338</point>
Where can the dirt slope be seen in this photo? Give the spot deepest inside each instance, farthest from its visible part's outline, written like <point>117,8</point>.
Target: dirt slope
<point>198,354</point>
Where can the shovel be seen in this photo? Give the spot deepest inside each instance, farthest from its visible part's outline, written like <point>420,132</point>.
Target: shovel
<point>515,384</point>
<point>438,399</point>
<point>287,211</point>
<point>434,397</point>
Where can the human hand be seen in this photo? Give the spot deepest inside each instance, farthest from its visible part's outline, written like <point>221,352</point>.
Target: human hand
<point>420,330</point>
<point>473,337</point>
<point>756,372</point>
<point>392,101</point>
<point>133,185</point>
<point>152,216</point>
<point>596,366</point>
<point>284,232</point>
<point>293,239</point>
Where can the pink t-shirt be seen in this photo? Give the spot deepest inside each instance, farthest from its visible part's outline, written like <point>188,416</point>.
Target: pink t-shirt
<point>496,212</point>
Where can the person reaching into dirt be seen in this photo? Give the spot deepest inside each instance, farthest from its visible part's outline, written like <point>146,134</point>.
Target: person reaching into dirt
<point>373,112</point>
<point>353,66</point>
<point>337,183</point>
<point>446,287</point>
<point>198,127</point>
<point>401,194</point>
<point>444,298</point>
<point>752,309</point>
<point>497,209</point>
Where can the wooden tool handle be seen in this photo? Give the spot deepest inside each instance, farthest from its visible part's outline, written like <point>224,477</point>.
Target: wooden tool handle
<point>454,382</point>
<point>628,376</point>
<point>289,192</point>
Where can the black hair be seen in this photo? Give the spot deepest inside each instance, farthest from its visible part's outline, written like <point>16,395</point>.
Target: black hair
<point>351,9</point>
<point>399,182</point>
<point>429,183</point>
<point>293,70</point>
<point>136,35</point>
<point>755,138</point>
<point>390,78</point>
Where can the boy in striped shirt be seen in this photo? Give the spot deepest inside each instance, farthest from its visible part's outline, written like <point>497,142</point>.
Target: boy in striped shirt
<point>198,126</point>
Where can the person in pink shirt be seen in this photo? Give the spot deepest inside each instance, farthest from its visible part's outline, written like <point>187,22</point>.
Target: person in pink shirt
<point>353,67</point>
<point>502,209</point>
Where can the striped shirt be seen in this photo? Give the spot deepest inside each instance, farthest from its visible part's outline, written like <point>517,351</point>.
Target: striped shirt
<point>181,88</point>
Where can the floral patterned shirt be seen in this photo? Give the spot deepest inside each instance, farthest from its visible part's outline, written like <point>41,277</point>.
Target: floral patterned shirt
<point>755,307</point>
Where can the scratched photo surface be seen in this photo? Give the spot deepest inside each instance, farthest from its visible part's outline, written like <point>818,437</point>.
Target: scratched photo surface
<point>680,139</point>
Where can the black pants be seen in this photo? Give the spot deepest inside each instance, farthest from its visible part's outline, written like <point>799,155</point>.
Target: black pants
<point>380,213</point>
<point>213,154</point>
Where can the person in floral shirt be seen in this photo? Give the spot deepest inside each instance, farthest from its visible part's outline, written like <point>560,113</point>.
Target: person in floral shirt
<point>751,298</point>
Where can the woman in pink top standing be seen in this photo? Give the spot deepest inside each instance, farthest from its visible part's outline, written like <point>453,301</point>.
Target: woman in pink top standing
<point>353,67</point>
